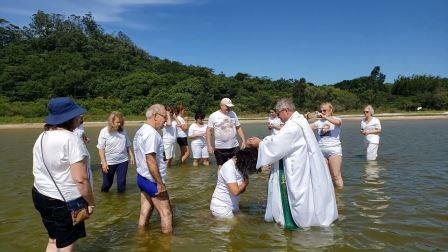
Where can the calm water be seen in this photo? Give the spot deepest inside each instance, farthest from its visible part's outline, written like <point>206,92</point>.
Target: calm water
<point>396,203</point>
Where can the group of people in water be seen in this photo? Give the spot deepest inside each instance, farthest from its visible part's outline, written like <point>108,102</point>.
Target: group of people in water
<point>303,169</point>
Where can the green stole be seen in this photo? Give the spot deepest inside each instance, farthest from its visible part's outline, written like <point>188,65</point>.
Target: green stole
<point>289,221</point>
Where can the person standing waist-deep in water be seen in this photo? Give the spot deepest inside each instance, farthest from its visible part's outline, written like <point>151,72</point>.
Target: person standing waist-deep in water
<point>114,148</point>
<point>225,126</point>
<point>61,175</point>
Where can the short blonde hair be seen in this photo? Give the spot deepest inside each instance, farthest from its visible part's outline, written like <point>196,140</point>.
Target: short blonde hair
<point>370,108</point>
<point>327,104</point>
<point>111,119</point>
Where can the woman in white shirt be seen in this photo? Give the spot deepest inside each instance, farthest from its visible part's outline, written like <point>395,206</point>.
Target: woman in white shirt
<point>182,126</point>
<point>328,129</point>
<point>196,132</point>
<point>274,122</point>
<point>371,128</point>
<point>233,179</point>
<point>169,136</point>
<point>114,149</point>
<point>61,176</point>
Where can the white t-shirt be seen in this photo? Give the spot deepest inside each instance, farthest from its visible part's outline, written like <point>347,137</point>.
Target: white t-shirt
<point>373,124</point>
<point>332,137</point>
<point>275,122</point>
<point>222,197</point>
<point>224,129</point>
<point>147,140</point>
<point>180,131</point>
<point>62,148</point>
<point>115,145</point>
<point>197,129</point>
<point>169,132</point>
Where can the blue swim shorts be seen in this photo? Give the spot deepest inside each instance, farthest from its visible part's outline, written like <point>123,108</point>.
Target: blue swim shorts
<point>147,185</point>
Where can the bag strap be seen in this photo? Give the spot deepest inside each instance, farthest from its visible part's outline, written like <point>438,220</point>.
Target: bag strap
<point>42,154</point>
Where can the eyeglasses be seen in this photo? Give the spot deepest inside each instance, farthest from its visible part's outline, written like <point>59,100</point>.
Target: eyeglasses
<point>323,110</point>
<point>365,112</point>
<point>164,116</point>
<point>278,113</point>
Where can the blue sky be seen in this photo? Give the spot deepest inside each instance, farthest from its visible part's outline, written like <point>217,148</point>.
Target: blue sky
<point>323,41</point>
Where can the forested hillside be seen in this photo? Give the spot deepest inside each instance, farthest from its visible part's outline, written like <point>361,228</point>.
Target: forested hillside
<point>73,56</point>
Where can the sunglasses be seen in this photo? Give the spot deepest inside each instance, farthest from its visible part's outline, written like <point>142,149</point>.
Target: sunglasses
<point>365,112</point>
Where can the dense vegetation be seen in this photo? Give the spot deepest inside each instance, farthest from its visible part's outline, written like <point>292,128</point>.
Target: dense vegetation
<point>73,56</point>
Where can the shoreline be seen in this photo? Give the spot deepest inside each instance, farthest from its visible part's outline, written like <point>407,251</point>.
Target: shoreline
<point>384,116</point>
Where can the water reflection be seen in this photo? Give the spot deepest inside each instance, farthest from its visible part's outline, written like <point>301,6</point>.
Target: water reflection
<point>375,200</point>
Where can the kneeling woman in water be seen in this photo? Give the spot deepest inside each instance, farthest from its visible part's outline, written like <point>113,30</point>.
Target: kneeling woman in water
<point>233,178</point>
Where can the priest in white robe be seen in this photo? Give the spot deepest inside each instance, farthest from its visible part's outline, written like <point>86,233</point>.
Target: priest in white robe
<point>309,187</point>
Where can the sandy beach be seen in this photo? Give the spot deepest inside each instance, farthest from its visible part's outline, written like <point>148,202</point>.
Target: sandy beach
<point>384,116</point>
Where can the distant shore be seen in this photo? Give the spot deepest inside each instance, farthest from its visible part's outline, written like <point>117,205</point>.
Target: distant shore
<point>383,116</point>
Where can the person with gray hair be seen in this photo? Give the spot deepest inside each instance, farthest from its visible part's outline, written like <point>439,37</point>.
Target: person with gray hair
<point>300,189</point>
<point>151,169</point>
<point>371,129</point>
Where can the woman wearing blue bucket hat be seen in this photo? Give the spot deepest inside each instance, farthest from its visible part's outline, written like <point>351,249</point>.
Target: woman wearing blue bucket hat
<point>61,177</point>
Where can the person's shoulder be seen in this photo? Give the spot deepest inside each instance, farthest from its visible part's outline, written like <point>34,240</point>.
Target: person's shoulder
<point>232,114</point>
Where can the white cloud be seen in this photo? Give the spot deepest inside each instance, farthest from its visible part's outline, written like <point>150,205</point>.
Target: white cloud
<point>107,11</point>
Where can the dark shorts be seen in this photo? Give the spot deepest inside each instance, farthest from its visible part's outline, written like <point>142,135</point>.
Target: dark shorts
<point>147,185</point>
<point>222,155</point>
<point>57,220</point>
<point>182,141</point>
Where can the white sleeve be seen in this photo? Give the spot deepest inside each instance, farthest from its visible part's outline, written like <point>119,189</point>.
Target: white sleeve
<point>237,122</point>
<point>150,143</point>
<point>128,141</point>
<point>377,123</point>
<point>228,174</point>
<point>76,150</point>
<point>101,140</point>
<point>275,147</point>
<point>211,121</point>
<point>191,130</point>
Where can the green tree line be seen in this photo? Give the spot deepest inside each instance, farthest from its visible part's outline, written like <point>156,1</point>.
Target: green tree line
<point>56,55</point>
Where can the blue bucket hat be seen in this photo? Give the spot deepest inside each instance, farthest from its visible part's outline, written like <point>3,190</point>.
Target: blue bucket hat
<point>62,109</point>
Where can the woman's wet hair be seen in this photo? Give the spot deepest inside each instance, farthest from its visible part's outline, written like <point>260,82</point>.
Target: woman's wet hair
<point>246,161</point>
<point>199,114</point>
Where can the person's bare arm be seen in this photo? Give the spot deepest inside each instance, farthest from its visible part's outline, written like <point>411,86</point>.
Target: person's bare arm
<point>102,154</point>
<point>208,136</point>
<point>131,156</point>
<point>236,189</point>
<point>240,131</point>
<point>80,176</point>
<point>154,170</point>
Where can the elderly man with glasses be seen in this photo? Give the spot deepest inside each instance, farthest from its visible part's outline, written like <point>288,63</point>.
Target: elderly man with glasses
<point>151,169</point>
<point>300,190</point>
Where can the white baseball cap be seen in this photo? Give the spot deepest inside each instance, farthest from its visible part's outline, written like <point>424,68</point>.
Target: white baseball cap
<point>227,102</point>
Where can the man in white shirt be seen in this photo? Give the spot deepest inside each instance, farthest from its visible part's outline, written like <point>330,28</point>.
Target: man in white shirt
<point>300,189</point>
<point>226,125</point>
<point>151,169</point>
